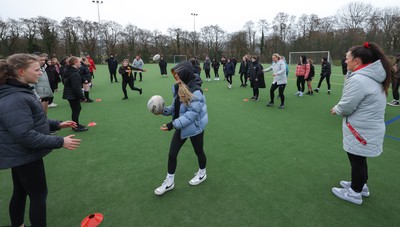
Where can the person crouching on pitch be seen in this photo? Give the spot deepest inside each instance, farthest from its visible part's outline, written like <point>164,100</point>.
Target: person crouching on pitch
<point>189,118</point>
<point>127,78</point>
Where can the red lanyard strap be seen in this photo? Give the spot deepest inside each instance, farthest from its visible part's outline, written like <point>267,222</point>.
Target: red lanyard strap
<point>356,134</point>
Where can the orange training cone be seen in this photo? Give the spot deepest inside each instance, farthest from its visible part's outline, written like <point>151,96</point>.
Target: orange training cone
<point>92,220</point>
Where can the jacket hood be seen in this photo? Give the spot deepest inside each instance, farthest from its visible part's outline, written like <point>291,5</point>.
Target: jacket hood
<point>13,86</point>
<point>69,70</point>
<point>375,71</point>
<point>186,74</point>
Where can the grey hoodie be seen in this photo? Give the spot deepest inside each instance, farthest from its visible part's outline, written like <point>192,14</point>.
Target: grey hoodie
<point>363,103</point>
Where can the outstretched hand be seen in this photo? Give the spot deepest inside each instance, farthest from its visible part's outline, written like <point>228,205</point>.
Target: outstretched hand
<point>68,124</point>
<point>164,127</point>
<point>71,143</point>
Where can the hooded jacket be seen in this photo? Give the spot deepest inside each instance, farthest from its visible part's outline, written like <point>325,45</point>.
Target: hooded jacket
<point>191,119</point>
<point>72,84</point>
<point>24,129</point>
<point>363,104</point>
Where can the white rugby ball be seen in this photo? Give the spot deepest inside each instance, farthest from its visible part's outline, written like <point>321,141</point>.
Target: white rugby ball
<point>156,57</point>
<point>156,104</point>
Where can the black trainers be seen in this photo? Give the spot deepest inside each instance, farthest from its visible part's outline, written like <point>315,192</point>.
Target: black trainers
<point>124,98</point>
<point>140,91</point>
<point>281,107</point>
<point>80,128</point>
<point>270,104</point>
<point>329,92</point>
<point>316,90</point>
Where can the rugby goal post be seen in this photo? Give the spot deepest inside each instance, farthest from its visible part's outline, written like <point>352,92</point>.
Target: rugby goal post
<point>180,58</point>
<point>316,56</point>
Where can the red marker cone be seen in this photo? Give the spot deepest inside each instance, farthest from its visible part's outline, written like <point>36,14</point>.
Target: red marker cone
<point>92,220</point>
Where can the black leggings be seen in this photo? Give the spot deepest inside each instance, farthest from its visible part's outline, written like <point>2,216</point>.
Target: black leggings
<point>29,180</point>
<point>229,78</point>
<point>359,171</point>
<point>281,90</point>
<point>113,74</point>
<point>328,81</point>
<point>207,71</point>
<point>76,108</point>
<point>395,88</point>
<point>131,85</point>
<point>243,78</point>
<point>216,75</point>
<point>300,83</point>
<point>177,143</point>
<point>140,75</point>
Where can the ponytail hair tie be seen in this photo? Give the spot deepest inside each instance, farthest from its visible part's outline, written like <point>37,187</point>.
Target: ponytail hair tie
<point>366,45</point>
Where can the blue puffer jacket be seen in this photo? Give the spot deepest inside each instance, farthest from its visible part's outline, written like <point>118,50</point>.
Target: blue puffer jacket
<point>192,118</point>
<point>24,128</point>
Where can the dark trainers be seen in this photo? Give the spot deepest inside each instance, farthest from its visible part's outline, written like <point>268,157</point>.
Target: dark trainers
<point>80,128</point>
<point>140,91</point>
<point>281,107</point>
<point>124,98</point>
<point>394,103</point>
<point>316,90</point>
<point>270,104</point>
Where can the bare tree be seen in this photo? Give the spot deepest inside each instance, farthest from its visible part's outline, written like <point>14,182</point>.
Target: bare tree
<point>48,31</point>
<point>263,25</point>
<point>129,35</point>
<point>70,33</point>
<point>390,18</point>
<point>89,36</point>
<point>251,33</point>
<point>111,32</point>
<point>30,30</point>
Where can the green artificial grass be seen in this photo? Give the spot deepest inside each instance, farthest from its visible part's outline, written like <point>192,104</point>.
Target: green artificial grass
<point>266,166</point>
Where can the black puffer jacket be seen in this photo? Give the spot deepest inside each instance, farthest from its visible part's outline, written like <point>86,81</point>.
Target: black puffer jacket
<point>24,129</point>
<point>72,84</point>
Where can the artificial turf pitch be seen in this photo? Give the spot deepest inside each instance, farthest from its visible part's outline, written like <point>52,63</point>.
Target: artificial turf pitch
<point>266,166</point>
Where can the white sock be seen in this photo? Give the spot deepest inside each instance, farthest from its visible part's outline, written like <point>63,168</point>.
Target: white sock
<point>202,171</point>
<point>171,177</point>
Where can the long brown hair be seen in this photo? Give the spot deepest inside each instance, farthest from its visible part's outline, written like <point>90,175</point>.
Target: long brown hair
<point>9,67</point>
<point>370,52</point>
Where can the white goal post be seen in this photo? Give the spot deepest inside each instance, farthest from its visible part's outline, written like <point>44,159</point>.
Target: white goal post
<point>180,58</point>
<point>316,56</point>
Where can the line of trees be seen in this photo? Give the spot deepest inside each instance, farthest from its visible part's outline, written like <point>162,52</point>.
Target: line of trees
<point>353,24</point>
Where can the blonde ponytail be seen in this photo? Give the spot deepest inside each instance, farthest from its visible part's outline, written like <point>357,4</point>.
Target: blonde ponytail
<point>184,94</point>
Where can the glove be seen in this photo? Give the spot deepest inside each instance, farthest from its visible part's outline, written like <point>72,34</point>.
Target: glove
<point>170,126</point>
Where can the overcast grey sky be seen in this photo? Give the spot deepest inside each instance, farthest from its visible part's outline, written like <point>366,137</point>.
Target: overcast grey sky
<point>161,14</point>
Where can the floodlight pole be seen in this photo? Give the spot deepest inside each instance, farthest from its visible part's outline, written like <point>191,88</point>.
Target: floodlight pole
<point>194,29</point>
<point>98,17</point>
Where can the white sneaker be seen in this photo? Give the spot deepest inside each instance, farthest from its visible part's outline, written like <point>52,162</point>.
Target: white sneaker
<point>198,178</point>
<point>166,186</point>
<point>297,93</point>
<point>347,184</point>
<point>301,94</point>
<point>230,86</point>
<point>348,194</point>
<point>218,78</point>
<point>52,105</point>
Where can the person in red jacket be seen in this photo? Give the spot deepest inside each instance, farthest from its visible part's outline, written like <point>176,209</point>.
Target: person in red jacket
<point>92,66</point>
